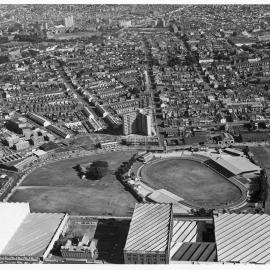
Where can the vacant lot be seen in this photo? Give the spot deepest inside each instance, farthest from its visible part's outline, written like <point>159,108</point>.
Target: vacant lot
<point>56,187</point>
<point>190,180</point>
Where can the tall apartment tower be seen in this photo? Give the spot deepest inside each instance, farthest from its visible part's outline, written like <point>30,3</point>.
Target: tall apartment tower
<point>137,122</point>
<point>144,123</point>
<point>69,21</point>
<point>129,123</point>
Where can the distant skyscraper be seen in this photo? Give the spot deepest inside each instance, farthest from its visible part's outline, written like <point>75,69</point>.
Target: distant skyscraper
<point>69,21</point>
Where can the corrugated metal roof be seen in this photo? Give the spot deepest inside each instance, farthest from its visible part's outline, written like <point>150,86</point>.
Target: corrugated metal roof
<point>203,252</point>
<point>149,228</point>
<point>243,238</point>
<point>236,165</point>
<point>183,231</point>
<point>34,234</point>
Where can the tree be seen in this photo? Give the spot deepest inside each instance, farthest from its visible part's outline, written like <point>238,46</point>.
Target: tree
<point>97,170</point>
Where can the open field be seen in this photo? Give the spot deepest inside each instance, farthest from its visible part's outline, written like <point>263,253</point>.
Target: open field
<point>56,187</point>
<point>262,155</point>
<point>191,181</point>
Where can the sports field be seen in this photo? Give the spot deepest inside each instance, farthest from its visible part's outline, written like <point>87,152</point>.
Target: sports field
<point>190,180</point>
<point>56,187</point>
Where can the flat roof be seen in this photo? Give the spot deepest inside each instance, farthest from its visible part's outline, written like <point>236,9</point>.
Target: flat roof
<point>34,234</point>
<point>243,238</point>
<point>149,228</point>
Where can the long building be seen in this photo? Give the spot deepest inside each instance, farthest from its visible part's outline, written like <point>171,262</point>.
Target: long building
<point>148,240</point>
<point>243,238</point>
<point>26,236</point>
<point>39,119</point>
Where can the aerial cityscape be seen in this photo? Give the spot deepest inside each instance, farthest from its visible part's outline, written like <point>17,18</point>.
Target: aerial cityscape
<point>134,134</point>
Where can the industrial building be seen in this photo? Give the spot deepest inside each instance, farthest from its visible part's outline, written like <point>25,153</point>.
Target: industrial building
<point>148,240</point>
<point>39,119</point>
<point>243,238</point>
<point>26,236</point>
<point>157,235</point>
<point>86,249</point>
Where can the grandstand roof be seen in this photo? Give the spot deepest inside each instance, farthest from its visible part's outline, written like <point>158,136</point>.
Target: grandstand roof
<point>243,238</point>
<point>203,252</point>
<point>164,196</point>
<point>236,164</point>
<point>149,228</point>
<point>34,235</point>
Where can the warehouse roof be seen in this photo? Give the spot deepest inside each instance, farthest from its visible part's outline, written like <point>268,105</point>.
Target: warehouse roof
<point>33,235</point>
<point>149,228</point>
<point>11,217</point>
<point>183,231</point>
<point>202,252</point>
<point>243,238</point>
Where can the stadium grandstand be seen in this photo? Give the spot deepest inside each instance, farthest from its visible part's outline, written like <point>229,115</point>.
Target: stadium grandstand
<point>219,168</point>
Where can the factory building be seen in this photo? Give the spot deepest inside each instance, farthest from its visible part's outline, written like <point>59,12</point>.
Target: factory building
<point>149,237</point>
<point>38,119</point>
<point>26,236</point>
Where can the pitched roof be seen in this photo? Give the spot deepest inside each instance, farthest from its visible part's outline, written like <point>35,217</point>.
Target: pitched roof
<point>34,235</point>
<point>183,231</point>
<point>149,228</point>
<point>203,252</point>
<point>243,238</point>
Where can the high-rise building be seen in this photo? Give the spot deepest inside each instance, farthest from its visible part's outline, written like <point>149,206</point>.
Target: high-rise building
<point>144,123</point>
<point>129,123</point>
<point>69,21</point>
<point>139,121</point>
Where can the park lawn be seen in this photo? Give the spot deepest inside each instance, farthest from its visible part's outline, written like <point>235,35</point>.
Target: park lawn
<point>190,180</point>
<point>77,201</point>
<point>62,173</point>
<point>56,187</point>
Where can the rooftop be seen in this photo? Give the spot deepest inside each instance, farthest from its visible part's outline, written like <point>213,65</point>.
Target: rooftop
<point>34,234</point>
<point>235,164</point>
<point>149,228</point>
<point>243,238</point>
<point>164,196</point>
<point>183,231</point>
<point>202,252</point>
